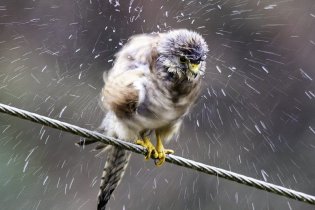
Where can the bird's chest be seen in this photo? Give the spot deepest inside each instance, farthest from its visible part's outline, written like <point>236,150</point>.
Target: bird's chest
<point>164,105</point>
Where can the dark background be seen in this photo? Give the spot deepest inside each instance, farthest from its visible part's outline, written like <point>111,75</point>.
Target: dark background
<point>256,115</point>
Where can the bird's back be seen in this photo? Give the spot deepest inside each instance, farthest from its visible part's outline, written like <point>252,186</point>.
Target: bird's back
<point>136,54</point>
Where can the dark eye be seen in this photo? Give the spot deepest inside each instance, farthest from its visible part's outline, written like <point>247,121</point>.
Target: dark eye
<point>182,59</point>
<point>195,61</point>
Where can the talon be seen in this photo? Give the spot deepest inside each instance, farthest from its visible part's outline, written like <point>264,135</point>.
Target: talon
<point>161,151</point>
<point>146,143</point>
<point>169,151</point>
<point>160,160</point>
<point>162,155</point>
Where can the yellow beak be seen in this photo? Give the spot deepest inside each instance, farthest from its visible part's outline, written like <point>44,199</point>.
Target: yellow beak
<point>194,67</point>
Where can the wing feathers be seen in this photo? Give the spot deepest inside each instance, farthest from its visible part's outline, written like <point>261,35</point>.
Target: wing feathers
<point>120,95</point>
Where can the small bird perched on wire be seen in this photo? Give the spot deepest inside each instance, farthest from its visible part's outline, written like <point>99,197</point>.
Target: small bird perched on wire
<point>152,85</point>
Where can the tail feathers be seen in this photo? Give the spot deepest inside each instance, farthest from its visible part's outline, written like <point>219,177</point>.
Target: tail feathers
<point>115,166</point>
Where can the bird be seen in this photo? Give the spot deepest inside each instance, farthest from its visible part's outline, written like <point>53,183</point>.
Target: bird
<point>154,82</point>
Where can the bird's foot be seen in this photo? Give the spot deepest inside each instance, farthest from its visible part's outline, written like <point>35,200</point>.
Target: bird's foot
<point>162,154</point>
<point>146,142</point>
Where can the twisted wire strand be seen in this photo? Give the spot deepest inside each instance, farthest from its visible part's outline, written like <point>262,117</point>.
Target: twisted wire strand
<point>180,161</point>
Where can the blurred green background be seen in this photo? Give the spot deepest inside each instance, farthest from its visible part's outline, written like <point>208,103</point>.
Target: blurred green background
<point>255,116</point>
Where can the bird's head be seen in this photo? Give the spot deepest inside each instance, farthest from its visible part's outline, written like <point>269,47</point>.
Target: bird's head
<point>183,52</point>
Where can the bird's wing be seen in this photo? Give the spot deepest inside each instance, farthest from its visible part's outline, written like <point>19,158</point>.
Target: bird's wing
<point>120,94</point>
<point>136,53</point>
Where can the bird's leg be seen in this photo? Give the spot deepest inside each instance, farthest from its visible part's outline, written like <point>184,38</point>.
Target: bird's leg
<point>160,150</point>
<point>146,142</point>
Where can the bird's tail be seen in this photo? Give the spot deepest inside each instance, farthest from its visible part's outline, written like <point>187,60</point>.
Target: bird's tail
<point>115,166</point>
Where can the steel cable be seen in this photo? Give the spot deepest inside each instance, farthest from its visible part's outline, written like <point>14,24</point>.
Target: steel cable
<point>180,161</point>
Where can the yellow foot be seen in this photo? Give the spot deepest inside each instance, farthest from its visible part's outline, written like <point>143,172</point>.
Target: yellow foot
<point>149,146</point>
<point>162,154</point>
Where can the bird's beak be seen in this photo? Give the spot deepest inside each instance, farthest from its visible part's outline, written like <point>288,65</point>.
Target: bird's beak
<point>194,68</point>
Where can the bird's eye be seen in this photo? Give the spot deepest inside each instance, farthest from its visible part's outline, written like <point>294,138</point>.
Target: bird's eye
<point>182,59</point>
<point>195,61</point>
